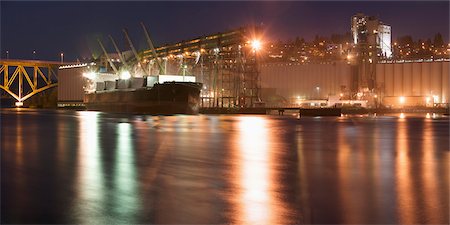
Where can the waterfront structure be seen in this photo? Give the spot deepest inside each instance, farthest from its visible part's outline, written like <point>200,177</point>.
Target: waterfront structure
<point>397,83</point>
<point>372,35</point>
<point>292,83</point>
<point>71,85</point>
<point>372,41</point>
<point>226,64</point>
<point>234,75</point>
<point>413,83</point>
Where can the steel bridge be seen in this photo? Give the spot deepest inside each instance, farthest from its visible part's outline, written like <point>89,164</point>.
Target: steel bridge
<point>39,76</point>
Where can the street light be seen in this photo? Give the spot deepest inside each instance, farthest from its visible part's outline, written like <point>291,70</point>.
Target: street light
<point>7,54</point>
<point>256,45</point>
<point>435,99</point>
<point>401,100</point>
<point>62,57</point>
<point>318,92</point>
<point>376,100</point>
<point>125,75</point>
<point>90,75</point>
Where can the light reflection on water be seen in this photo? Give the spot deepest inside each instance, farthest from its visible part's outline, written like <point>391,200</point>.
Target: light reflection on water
<point>125,197</point>
<point>90,182</point>
<point>406,205</point>
<point>107,168</point>
<point>253,178</point>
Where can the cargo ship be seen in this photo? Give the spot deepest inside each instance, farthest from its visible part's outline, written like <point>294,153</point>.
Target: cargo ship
<point>164,95</point>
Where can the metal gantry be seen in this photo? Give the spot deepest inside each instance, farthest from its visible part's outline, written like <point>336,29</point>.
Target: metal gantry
<point>39,76</point>
<point>224,62</point>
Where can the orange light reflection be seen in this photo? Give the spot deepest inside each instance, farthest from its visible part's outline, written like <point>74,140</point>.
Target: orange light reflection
<point>254,171</point>
<point>429,176</point>
<point>405,196</point>
<point>256,200</point>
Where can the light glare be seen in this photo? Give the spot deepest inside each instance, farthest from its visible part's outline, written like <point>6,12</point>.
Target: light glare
<point>256,45</point>
<point>89,75</point>
<point>125,75</point>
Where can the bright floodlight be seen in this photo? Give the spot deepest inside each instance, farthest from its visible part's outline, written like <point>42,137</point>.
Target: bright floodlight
<point>435,98</point>
<point>401,99</point>
<point>125,75</point>
<point>89,75</point>
<point>256,45</point>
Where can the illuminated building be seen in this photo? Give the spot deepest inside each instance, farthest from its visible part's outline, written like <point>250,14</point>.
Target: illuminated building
<point>370,32</point>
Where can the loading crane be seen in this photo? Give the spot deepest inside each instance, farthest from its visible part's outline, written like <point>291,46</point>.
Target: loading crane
<point>122,59</point>
<point>107,57</point>
<point>138,58</point>
<point>152,47</point>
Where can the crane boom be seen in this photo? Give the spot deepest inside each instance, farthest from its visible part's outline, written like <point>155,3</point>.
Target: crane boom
<point>152,47</point>
<point>107,57</point>
<point>118,51</point>
<point>134,50</point>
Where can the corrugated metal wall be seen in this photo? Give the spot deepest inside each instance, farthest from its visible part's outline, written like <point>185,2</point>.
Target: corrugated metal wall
<point>411,80</point>
<point>291,80</point>
<point>414,79</point>
<point>70,85</point>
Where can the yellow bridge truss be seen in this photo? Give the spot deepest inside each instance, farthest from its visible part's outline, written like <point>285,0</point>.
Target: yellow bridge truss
<point>39,76</point>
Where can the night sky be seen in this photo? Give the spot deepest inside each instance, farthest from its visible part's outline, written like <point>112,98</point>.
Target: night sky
<point>72,27</point>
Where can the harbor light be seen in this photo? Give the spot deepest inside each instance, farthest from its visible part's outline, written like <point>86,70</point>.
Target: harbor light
<point>256,45</point>
<point>125,75</point>
<point>401,99</point>
<point>89,75</point>
<point>435,98</point>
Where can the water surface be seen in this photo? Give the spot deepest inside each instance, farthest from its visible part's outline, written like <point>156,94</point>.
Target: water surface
<point>99,168</point>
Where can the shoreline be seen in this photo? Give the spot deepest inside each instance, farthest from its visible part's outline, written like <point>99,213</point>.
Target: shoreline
<point>276,111</point>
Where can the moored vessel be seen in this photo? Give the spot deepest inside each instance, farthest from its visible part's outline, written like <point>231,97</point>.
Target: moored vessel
<point>146,96</point>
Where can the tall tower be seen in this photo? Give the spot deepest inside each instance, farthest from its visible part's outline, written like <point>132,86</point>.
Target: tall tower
<point>372,40</point>
<point>384,40</point>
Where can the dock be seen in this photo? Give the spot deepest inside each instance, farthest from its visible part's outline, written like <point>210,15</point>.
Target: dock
<point>280,110</point>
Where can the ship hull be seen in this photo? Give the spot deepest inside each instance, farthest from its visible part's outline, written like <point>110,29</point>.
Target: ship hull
<point>168,98</point>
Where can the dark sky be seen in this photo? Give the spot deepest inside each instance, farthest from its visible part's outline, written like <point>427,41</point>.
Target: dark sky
<point>72,27</point>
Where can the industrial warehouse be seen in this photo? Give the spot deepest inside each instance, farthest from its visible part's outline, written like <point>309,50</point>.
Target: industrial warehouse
<point>398,84</point>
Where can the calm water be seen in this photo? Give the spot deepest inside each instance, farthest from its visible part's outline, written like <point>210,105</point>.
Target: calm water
<point>97,168</point>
